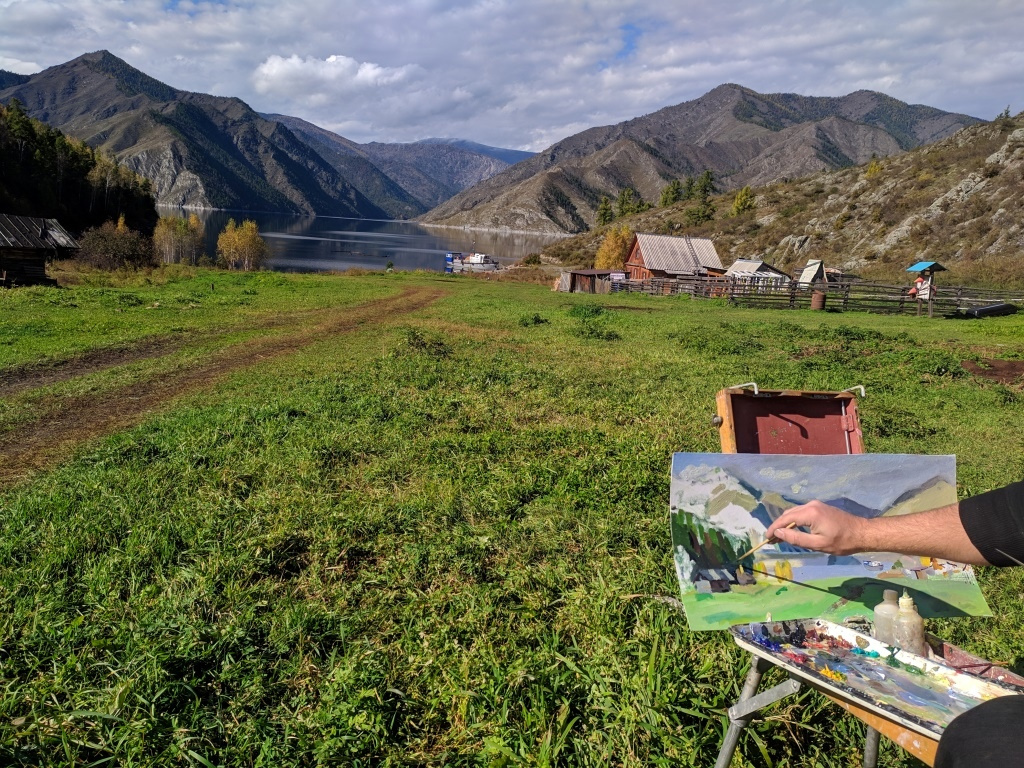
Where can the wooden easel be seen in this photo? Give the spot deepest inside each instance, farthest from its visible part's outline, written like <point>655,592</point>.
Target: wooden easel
<point>752,420</point>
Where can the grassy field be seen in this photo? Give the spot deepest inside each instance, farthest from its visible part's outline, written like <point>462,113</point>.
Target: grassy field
<point>413,520</point>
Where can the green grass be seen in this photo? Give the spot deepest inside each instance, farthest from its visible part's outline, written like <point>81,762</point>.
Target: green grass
<point>437,541</point>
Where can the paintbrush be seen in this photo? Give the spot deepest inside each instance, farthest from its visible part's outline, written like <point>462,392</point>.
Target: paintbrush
<point>772,540</point>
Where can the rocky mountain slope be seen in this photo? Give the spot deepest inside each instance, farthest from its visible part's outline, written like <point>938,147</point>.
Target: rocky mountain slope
<point>405,179</point>
<point>198,150</point>
<point>206,151</point>
<point>743,137</point>
<point>959,201</point>
<point>433,172</point>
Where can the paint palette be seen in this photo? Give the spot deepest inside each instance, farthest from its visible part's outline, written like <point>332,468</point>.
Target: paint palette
<point>919,693</point>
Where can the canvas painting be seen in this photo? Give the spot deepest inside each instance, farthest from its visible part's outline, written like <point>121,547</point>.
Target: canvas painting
<point>722,504</point>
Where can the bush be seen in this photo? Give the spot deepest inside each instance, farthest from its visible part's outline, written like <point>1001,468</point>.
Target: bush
<point>529,320</point>
<point>114,246</point>
<point>585,311</point>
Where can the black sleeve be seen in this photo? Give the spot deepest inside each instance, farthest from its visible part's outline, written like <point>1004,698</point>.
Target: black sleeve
<point>994,522</point>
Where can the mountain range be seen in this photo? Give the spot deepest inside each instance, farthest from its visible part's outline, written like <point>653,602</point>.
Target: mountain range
<point>959,201</point>
<point>216,152</point>
<point>743,137</point>
<point>207,151</point>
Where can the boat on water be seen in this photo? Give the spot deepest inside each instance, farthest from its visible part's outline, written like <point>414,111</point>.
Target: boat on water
<point>469,262</point>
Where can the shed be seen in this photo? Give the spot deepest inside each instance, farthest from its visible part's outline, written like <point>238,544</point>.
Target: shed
<point>25,245</point>
<point>756,269</point>
<point>668,256</point>
<point>588,280</point>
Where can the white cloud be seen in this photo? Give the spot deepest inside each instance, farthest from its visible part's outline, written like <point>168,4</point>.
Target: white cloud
<point>525,73</point>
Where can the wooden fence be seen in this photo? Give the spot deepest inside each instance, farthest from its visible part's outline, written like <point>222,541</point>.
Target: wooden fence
<point>845,297</point>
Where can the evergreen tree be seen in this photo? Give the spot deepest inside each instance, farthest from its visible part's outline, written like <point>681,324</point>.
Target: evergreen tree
<point>630,202</point>
<point>688,188</point>
<point>671,194</point>
<point>624,205</point>
<point>605,214</point>
<point>704,186</point>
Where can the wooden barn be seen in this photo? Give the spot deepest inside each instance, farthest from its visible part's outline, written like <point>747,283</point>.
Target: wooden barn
<point>26,243</point>
<point>668,256</point>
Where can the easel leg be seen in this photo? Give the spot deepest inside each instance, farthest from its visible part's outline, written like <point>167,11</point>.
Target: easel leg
<point>758,667</point>
<point>871,739</point>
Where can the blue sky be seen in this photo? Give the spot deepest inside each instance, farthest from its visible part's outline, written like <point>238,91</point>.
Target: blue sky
<point>526,73</point>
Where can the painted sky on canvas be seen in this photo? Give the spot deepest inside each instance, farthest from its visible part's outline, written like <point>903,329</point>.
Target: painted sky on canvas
<point>526,73</point>
<point>862,478</point>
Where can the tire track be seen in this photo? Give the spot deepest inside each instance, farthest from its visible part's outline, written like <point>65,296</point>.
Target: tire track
<point>39,444</point>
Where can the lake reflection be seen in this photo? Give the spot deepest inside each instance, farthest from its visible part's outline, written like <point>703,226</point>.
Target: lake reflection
<point>325,243</point>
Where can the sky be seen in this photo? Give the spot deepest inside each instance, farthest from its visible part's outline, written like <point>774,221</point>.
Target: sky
<point>524,74</point>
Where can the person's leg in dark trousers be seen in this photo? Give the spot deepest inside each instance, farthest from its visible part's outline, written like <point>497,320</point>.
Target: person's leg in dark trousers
<point>991,734</point>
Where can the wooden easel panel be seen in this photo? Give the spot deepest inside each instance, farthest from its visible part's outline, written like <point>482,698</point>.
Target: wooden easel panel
<point>788,421</point>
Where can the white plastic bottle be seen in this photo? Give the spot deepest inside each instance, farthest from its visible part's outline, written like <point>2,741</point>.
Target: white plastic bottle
<point>910,627</point>
<point>885,617</point>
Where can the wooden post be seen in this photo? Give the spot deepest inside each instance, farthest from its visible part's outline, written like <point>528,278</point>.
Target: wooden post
<point>931,292</point>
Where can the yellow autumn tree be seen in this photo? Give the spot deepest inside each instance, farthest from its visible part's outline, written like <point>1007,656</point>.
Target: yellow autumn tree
<point>614,248</point>
<point>177,240</point>
<point>241,247</point>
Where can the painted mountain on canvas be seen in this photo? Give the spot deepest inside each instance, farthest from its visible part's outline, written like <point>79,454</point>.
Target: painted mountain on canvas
<point>742,136</point>
<point>722,505</point>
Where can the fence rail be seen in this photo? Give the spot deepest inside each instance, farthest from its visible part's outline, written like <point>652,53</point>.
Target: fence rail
<point>846,297</point>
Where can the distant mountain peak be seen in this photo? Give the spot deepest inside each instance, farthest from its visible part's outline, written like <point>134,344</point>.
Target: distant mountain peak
<point>130,81</point>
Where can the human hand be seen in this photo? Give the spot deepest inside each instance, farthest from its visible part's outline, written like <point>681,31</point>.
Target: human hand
<point>828,529</point>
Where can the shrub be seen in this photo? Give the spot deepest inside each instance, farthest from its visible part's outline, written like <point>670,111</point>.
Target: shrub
<point>114,246</point>
<point>529,320</point>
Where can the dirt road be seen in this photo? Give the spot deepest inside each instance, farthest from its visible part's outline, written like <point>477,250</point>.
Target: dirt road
<point>72,421</point>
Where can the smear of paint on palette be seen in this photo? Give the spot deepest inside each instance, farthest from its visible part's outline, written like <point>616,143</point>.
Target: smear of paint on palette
<point>911,687</point>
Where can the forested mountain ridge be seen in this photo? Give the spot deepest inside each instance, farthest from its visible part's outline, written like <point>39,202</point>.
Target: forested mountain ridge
<point>207,151</point>
<point>743,137</point>
<point>47,174</point>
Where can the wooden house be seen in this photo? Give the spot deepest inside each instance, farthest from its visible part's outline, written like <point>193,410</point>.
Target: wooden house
<point>668,256</point>
<point>756,270</point>
<point>26,243</point>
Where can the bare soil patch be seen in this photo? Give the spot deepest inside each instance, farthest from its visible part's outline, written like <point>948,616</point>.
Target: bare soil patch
<point>1003,371</point>
<point>75,420</point>
<point>18,378</point>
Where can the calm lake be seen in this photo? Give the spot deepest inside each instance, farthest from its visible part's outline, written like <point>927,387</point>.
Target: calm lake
<point>326,243</point>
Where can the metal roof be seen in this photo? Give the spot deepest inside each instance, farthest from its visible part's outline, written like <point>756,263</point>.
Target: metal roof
<point>754,267</point>
<point>679,255</point>
<point>923,266</point>
<point>34,233</point>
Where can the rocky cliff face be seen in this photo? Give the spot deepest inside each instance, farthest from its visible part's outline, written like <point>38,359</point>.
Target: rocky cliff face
<point>741,136</point>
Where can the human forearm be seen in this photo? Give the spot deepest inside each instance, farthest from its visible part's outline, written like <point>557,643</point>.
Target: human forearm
<point>935,533</point>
